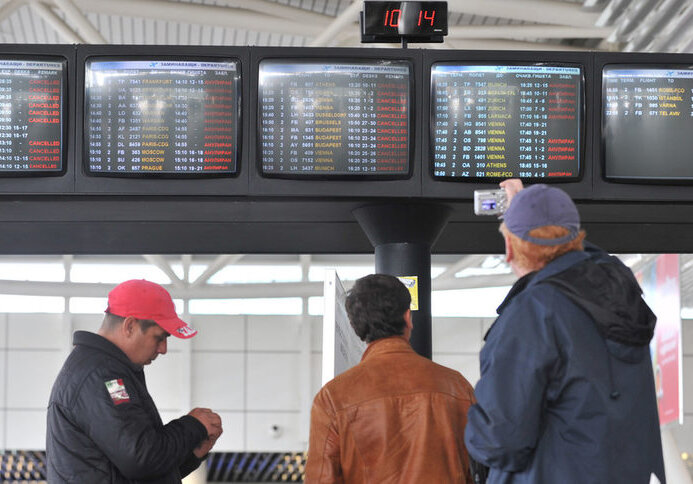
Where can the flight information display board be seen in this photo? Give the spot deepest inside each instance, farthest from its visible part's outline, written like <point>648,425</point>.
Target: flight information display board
<point>334,119</point>
<point>162,117</point>
<point>506,121</point>
<point>647,122</point>
<point>32,100</point>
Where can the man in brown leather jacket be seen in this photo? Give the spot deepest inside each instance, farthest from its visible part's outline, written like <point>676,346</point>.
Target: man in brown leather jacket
<point>396,417</point>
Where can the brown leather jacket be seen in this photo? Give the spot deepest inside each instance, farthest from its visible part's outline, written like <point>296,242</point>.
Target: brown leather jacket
<point>394,418</point>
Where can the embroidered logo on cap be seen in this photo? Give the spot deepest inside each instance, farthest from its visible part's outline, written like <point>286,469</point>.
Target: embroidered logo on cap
<point>186,331</point>
<point>116,388</point>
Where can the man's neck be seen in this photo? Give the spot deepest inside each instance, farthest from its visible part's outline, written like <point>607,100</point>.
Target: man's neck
<point>520,272</point>
<point>113,338</point>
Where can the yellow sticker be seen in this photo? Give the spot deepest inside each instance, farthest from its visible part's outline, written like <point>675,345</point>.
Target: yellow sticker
<point>412,283</point>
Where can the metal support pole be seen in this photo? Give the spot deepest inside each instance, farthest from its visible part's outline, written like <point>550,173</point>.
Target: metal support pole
<point>403,235</point>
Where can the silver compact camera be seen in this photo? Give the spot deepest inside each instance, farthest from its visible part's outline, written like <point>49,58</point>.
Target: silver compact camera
<point>490,202</point>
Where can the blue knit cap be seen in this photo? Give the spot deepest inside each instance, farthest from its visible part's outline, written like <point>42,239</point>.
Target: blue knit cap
<point>540,205</point>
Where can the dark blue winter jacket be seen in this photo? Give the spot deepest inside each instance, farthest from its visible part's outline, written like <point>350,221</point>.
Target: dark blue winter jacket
<point>103,426</point>
<point>566,393</point>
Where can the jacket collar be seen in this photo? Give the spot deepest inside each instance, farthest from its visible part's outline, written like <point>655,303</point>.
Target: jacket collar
<point>98,342</point>
<point>392,344</point>
<point>552,268</point>
<point>559,265</point>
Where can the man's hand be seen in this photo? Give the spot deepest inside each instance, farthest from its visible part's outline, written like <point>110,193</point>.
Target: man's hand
<point>204,448</point>
<point>210,420</point>
<point>511,187</point>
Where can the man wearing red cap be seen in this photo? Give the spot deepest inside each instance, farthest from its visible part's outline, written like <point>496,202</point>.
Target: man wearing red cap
<point>102,424</point>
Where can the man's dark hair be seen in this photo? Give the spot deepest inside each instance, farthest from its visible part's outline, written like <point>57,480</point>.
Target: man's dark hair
<point>112,321</point>
<point>376,306</point>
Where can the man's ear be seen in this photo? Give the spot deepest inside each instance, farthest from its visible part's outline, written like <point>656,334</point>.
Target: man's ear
<point>508,248</point>
<point>129,326</point>
<point>408,319</point>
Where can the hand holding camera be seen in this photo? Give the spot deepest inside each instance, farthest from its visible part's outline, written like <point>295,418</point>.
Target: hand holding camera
<point>496,202</point>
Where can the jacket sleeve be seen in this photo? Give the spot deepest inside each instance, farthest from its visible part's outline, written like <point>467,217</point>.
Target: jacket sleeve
<point>516,363</point>
<point>323,464</point>
<point>472,474</point>
<point>190,464</point>
<point>125,432</point>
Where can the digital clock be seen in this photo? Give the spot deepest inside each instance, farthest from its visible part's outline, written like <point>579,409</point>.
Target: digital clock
<point>407,21</point>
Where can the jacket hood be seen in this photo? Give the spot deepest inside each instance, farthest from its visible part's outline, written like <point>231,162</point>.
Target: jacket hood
<point>607,290</point>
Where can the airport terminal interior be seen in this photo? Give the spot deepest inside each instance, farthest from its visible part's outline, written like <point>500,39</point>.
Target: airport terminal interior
<point>246,251</point>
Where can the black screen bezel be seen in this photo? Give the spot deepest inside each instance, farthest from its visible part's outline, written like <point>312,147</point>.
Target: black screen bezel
<point>582,125</point>
<point>336,188</point>
<point>65,108</point>
<point>631,189</point>
<point>602,125</point>
<point>164,175</point>
<point>157,186</point>
<point>464,190</point>
<point>340,176</point>
<point>45,183</point>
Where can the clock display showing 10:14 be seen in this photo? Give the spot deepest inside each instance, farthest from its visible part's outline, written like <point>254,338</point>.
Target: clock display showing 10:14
<point>392,17</point>
<point>414,21</point>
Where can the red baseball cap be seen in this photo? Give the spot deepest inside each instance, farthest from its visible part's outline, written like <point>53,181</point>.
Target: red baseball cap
<point>142,299</point>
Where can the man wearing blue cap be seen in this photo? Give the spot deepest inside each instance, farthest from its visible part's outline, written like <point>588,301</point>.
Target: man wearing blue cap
<point>566,391</point>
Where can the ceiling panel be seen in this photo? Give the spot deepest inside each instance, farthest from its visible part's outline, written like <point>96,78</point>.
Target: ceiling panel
<point>652,25</point>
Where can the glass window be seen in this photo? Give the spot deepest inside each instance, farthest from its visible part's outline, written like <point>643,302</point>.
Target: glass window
<point>239,274</point>
<point>32,271</point>
<point>31,304</point>
<point>345,273</point>
<point>116,273</point>
<point>469,303</point>
<point>277,305</point>
<point>316,305</point>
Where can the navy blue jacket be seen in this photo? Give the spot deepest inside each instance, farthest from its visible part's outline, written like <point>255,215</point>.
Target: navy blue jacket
<point>567,391</point>
<point>113,433</point>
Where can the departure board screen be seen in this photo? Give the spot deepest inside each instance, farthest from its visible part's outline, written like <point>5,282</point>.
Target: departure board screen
<point>32,100</point>
<point>334,119</point>
<point>647,122</point>
<point>506,121</point>
<point>162,117</point>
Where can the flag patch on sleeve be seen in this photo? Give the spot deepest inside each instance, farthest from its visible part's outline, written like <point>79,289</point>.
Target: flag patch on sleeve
<point>116,388</point>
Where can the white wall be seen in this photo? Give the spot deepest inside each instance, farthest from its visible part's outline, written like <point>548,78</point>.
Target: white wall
<point>248,368</point>
<point>457,342</point>
<point>30,357</point>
